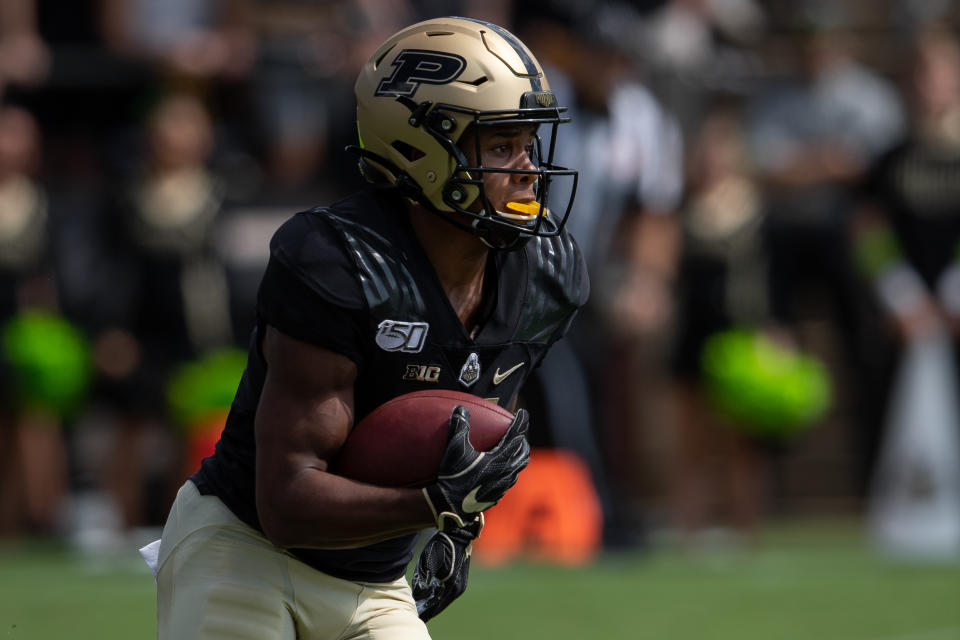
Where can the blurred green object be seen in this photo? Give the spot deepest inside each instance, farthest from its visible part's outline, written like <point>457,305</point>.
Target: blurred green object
<point>49,360</point>
<point>205,387</point>
<point>765,388</point>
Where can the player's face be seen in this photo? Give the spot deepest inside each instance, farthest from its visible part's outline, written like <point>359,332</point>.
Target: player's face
<point>508,147</point>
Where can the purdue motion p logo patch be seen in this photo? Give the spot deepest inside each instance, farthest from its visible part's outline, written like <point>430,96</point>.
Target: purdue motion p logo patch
<point>470,370</point>
<point>408,337</point>
<point>413,67</point>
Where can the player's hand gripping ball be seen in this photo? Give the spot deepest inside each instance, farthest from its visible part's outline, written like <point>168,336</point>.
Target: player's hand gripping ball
<point>401,442</point>
<point>470,481</point>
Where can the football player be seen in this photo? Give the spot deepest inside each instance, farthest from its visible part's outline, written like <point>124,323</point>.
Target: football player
<point>451,272</point>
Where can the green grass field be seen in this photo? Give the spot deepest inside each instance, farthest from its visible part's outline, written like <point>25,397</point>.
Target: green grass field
<point>806,582</point>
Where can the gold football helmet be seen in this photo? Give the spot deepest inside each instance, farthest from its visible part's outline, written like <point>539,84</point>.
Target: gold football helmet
<point>429,83</point>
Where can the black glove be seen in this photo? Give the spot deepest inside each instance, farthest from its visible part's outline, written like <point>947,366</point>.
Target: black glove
<point>470,481</point>
<point>441,573</point>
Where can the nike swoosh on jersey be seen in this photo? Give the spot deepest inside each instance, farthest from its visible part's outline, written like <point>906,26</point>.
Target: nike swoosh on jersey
<point>470,504</point>
<point>500,377</point>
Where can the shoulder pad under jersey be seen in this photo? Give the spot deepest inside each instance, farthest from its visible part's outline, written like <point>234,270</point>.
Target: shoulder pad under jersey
<point>376,250</point>
<point>309,248</point>
<point>558,285</point>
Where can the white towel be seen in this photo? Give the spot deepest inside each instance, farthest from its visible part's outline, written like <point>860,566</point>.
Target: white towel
<point>151,555</point>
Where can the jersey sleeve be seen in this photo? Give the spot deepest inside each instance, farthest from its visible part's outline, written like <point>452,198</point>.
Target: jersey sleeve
<point>309,290</point>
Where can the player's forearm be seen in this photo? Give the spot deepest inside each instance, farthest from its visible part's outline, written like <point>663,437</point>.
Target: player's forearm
<point>322,510</point>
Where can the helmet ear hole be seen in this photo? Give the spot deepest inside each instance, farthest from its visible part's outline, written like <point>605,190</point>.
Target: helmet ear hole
<point>408,151</point>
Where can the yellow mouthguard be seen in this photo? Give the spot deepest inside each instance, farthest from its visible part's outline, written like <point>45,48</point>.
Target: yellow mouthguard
<point>526,211</point>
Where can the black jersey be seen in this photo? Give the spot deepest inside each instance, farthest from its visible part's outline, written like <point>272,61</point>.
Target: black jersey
<point>918,186</point>
<point>353,279</point>
<point>723,280</point>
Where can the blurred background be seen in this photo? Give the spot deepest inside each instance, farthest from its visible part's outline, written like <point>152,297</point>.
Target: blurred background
<point>769,204</point>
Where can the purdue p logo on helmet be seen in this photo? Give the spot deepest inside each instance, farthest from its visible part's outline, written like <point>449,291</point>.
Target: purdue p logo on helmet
<point>412,67</point>
<point>428,84</point>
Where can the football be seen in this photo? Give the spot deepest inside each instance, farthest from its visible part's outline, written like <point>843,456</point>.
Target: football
<point>401,442</point>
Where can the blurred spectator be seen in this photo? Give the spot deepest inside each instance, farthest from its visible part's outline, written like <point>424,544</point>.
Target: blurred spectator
<point>189,39</point>
<point>170,295</point>
<point>87,94</point>
<point>308,54</point>
<point>812,135</point>
<point>33,462</point>
<point>24,57</point>
<point>912,16</point>
<point>307,59</point>
<point>25,256</point>
<point>716,471</point>
<point>695,48</point>
<point>204,47</point>
<point>629,151</point>
<point>908,229</point>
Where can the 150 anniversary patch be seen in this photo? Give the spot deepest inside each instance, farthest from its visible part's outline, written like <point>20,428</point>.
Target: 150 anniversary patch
<point>396,335</point>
